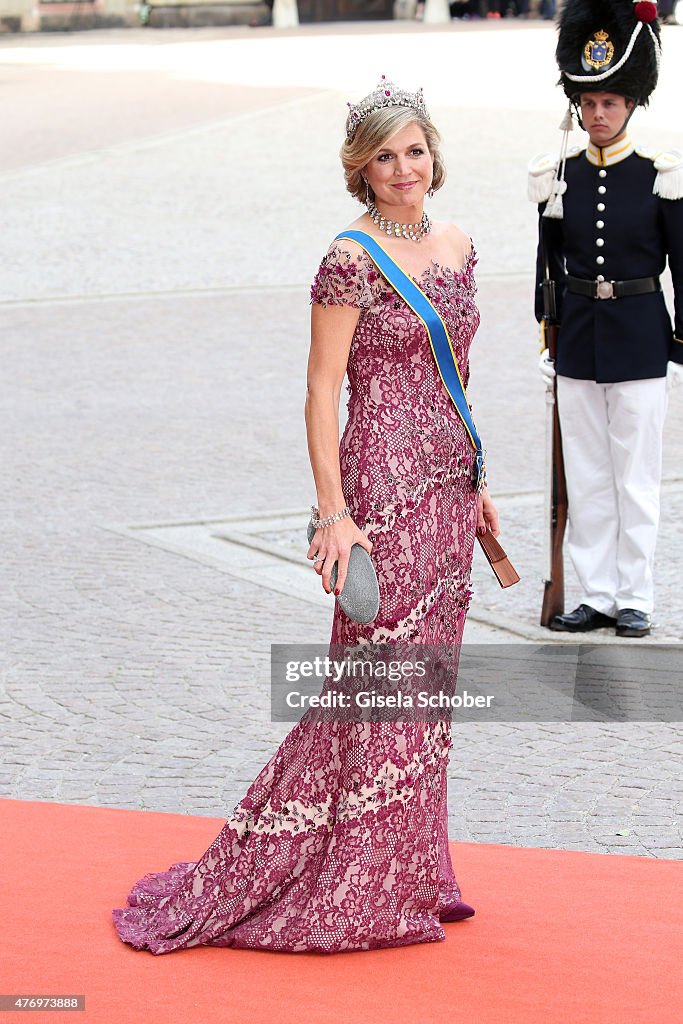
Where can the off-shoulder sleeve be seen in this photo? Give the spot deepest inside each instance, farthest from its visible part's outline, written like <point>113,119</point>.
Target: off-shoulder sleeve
<point>344,279</point>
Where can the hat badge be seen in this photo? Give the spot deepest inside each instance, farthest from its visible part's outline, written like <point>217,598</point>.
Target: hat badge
<point>598,51</point>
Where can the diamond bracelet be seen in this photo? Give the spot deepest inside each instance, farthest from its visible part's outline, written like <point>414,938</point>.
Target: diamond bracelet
<point>328,520</point>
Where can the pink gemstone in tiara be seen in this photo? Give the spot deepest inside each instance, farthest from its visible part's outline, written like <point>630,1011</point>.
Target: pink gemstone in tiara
<point>387,94</point>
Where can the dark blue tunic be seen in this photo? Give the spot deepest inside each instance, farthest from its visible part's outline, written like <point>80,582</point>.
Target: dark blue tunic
<point>629,338</point>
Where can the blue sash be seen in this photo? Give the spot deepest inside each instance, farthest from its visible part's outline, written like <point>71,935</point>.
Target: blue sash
<point>437,333</point>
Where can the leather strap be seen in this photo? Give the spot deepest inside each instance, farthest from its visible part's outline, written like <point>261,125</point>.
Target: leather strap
<point>612,289</point>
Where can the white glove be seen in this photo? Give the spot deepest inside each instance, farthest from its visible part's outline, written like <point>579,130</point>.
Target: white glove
<point>547,367</point>
<point>674,375</point>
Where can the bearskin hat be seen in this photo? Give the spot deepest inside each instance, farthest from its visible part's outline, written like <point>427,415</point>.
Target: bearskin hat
<point>609,46</point>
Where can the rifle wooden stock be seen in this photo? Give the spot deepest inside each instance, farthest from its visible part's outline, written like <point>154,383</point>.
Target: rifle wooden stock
<point>553,594</point>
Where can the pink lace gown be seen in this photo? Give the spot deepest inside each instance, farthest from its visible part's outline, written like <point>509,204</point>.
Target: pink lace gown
<point>341,842</point>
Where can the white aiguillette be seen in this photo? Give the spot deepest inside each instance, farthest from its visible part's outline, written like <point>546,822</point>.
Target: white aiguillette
<point>359,598</point>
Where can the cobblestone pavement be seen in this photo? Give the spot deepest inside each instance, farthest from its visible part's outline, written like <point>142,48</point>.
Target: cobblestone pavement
<point>160,231</point>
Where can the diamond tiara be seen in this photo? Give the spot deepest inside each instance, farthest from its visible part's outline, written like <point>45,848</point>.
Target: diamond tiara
<point>385,95</point>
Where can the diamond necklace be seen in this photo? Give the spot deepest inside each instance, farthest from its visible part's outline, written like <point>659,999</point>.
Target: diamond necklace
<point>415,232</point>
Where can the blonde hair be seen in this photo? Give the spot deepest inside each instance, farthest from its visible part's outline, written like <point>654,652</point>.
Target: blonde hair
<point>371,135</point>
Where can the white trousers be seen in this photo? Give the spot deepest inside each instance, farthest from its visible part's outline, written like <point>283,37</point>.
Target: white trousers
<point>612,447</point>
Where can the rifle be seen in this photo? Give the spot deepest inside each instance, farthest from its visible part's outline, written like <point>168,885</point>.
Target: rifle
<point>556,486</point>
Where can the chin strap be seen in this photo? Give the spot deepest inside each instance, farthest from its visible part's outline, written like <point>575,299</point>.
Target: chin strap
<point>577,113</point>
<point>624,126</point>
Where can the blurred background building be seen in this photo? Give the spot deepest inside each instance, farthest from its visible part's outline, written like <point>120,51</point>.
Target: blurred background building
<point>68,15</point>
<point>65,15</point>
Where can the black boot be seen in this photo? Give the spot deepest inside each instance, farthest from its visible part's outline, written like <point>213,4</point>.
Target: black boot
<point>581,620</point>
<point>631,622</point>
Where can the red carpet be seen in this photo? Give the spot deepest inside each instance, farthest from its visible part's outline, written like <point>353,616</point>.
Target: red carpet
<point>558,937</point>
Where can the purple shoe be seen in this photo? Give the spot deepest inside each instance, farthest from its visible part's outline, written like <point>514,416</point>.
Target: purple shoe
<point>458,912</point>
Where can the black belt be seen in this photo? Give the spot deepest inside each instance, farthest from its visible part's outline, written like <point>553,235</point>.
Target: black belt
<point>612,289</point>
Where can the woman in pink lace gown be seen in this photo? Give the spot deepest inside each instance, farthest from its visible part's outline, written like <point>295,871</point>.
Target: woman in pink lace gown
<point>341,842</point>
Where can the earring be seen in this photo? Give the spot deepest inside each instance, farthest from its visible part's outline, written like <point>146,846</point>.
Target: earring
<point>367,192</point>
<point>430,192</point>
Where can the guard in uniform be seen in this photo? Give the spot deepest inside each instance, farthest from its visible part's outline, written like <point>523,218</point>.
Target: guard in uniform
<point>612,214</point>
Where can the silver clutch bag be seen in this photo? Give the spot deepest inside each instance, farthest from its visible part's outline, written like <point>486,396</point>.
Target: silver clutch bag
<point>360,597</point>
